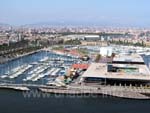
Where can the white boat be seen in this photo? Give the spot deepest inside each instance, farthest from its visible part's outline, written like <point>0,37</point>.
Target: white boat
<point>22,69</point>
<point>13,70</point>
<point>35,74</point>
<point>49,72</point>
<point>55,72</point>
<point>42,69</point>
<point>3,76</point>
<point>44,59</point>
<point>29,77</point>
<point>34,63</point>
<point>35,70</point>
<point>43,75</point>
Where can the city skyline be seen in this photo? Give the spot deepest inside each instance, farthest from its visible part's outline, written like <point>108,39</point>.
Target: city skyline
<point>77,12</point>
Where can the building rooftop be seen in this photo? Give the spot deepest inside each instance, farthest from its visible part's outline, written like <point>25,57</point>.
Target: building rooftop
<point>80,66</point>
<point>127,72</point>
<point>128,58</point>
<point>93,36</point>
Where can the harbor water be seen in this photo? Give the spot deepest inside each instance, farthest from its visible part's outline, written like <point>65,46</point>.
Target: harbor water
<point>14,102</point>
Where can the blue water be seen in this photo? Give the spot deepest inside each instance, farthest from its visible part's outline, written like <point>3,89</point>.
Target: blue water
<point>14,102</point>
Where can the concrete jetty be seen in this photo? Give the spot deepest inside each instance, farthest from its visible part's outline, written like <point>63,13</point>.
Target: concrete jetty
<point>15,88</point>
<point>107,91</point>
<point>114,91</point>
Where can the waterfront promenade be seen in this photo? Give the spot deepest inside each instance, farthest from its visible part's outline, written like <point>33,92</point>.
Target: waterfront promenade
<point>116,91</point>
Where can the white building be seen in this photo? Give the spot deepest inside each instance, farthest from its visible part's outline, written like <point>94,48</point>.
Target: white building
<point>106,51</point>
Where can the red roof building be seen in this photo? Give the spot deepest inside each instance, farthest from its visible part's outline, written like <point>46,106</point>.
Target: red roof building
<point>80,66</point>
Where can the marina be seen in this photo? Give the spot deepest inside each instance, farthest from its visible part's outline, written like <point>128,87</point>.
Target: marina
<point>35,67</point>
<point>52,72</point>
<point>20,71</point>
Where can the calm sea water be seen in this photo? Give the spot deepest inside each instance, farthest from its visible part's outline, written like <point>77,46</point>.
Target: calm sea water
<point>14,102</point>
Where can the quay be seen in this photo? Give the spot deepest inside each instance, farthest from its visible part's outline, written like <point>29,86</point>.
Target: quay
<point>119,92</point>
<point>20,88</point>
<point>114,91</point>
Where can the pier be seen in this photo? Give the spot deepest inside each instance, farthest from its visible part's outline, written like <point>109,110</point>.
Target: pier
<point>120,92</point>
<point>114,91</point>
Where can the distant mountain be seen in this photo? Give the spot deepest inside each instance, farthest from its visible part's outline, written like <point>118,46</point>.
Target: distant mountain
<point>79,23</point>
<point>71,23</point>
<point>55,23</point>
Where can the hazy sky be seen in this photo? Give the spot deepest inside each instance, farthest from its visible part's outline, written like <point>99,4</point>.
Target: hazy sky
<point>123,12</point>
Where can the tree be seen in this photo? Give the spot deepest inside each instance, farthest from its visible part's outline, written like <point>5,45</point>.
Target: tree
<point>98,57</point>
<point>113,55</point>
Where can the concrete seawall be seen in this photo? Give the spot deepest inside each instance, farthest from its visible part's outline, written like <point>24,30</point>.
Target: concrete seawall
<point>107,91</point>
<point>114,91</point>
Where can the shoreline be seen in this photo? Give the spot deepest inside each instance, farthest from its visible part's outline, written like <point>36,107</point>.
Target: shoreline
<point>15,88</point>
<point>110,91</point>
<point>117,94</point>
